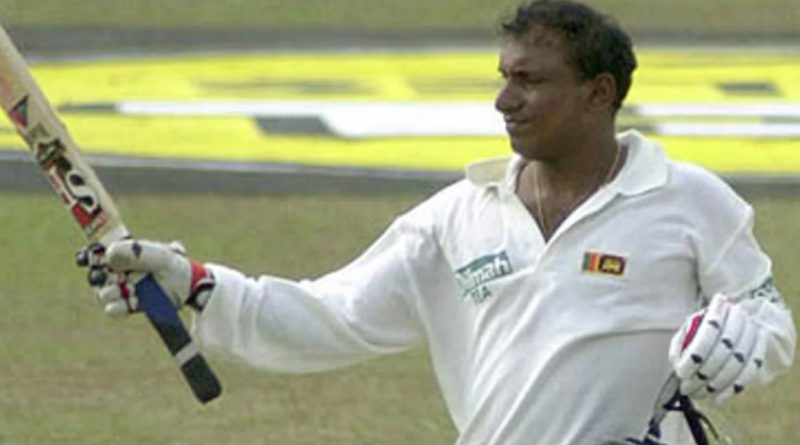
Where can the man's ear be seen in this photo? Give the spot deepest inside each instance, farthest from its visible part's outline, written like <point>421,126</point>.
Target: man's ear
<point>602,92</point>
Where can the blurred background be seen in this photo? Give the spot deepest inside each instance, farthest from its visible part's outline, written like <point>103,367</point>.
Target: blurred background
<point>684,20</point>
<point>252,132</point>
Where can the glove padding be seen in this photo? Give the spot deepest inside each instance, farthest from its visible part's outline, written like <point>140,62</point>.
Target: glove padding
<point>114,272</point>
<point>718,351</point>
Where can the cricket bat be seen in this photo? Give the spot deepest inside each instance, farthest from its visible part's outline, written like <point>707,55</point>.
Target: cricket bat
<point>91,207</point>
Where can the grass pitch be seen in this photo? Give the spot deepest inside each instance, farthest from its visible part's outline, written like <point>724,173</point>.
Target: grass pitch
<point>70,376</point>
<point>681,18</point>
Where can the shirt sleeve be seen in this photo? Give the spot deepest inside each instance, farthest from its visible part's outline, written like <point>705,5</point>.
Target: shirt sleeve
<point>741,270</point>
<point>365,309</point>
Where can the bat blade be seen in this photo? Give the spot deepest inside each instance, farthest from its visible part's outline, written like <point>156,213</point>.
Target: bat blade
<point>54,150</point>
<point>78,187</point>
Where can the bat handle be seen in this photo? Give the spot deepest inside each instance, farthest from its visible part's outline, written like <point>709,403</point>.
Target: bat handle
<point>164,318</point>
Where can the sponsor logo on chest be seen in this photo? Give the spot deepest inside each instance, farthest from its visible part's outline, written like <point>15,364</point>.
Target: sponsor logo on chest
<point>473,277</point>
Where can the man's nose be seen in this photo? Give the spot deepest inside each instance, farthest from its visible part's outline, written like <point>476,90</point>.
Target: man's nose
<point>508,99</point>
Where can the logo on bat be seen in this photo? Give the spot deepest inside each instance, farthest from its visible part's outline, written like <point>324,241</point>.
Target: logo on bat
<point>70,185</point>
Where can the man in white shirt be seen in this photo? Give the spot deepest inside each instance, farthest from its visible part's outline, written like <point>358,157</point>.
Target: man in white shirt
<point>556,290</point>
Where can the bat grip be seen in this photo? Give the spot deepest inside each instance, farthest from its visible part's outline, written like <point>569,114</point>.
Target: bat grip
<point>164,318</point>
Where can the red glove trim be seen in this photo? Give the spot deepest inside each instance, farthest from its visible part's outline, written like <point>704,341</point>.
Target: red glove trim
<point>692,331</point>
<point>198,273</point>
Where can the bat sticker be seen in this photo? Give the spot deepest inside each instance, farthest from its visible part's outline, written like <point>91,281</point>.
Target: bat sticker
<point>19,113</point>
<point>71,186</point>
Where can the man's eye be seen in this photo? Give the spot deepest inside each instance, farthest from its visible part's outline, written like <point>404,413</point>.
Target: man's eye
<point>533,81</point>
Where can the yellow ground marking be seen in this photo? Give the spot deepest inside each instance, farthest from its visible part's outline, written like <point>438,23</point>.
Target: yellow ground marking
<point>663,77</point>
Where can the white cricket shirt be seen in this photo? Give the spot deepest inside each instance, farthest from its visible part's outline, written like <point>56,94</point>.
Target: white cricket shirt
<point>556,343</point>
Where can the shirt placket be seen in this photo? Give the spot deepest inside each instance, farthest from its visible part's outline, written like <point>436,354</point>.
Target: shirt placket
<point>594,204</point>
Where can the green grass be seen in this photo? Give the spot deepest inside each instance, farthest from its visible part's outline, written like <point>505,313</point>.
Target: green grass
<point>714,16</point>
<point>70,376</point>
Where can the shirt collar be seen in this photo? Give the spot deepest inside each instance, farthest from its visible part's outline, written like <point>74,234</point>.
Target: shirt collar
<point>645,168</point>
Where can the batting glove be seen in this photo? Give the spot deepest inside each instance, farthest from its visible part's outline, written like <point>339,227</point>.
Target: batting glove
<point>718,351</point>
<point>114,272</point>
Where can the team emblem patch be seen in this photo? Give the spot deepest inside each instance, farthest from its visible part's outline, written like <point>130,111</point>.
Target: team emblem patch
<point>604,263</point>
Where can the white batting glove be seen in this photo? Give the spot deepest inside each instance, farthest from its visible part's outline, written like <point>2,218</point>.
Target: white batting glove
<point>114,272</point>
<point>718,351</point>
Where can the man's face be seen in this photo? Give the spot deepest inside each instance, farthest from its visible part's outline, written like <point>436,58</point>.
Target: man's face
<point>542,99</point>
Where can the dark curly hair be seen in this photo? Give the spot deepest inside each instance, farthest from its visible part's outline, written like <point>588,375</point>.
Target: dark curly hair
<point>595,42</point>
